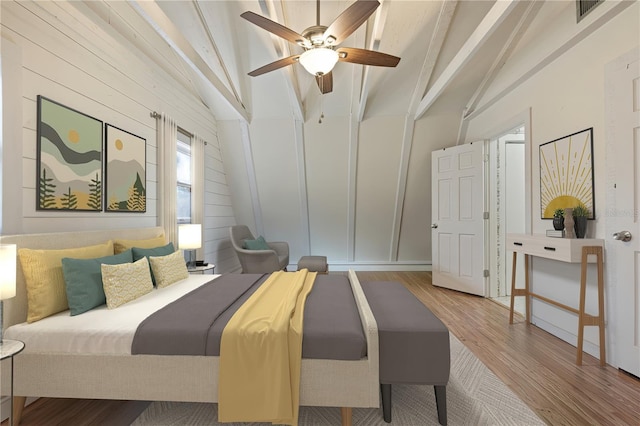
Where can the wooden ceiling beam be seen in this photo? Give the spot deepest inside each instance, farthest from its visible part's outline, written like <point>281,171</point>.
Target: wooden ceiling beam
<point>154,15</point>
<point>516,34</point>
<point>379,21</point>
<point>445,17</point>
<point>274,10</point>
<point>498,13</point>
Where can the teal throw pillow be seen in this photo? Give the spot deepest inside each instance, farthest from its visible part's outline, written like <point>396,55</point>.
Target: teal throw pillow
<point>139,253</point>
<point>257,244</point>
<point>83,280</point>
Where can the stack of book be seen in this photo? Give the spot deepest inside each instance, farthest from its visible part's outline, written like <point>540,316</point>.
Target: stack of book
<point>554,233</point>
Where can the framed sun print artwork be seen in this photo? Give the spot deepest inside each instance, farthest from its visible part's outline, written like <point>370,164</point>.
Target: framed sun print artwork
<point>125,174</point>
<point>68,159</point>
<point>566,173</point>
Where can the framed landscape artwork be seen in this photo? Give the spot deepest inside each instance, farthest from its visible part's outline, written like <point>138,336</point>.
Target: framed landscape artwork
<point>566,173</point>
<point>126,180</point>
<point>68,159</point>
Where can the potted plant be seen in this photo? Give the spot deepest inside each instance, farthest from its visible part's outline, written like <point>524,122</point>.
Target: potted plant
<point>580,215</point>
<point>558,219</point>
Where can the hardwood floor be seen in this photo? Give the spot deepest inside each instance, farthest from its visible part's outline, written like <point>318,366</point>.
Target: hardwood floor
<point>537,366</point>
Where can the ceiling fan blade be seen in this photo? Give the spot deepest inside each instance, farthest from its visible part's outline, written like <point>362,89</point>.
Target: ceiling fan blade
<point>325,82</point>
<point>273,27</point>
<point>275,65</point>
<point>366,57</point>
<point>350,20</point>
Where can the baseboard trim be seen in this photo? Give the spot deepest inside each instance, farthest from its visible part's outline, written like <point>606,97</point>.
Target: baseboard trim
<point>374,266</point>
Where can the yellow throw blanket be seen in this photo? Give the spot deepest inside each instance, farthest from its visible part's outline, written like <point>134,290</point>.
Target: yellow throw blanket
<point>261,353</point>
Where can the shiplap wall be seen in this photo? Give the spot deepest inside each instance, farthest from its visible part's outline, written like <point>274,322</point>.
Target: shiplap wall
<point>63,51</point>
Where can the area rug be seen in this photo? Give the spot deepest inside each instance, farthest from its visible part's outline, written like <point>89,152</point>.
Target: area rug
<point>475,396</point>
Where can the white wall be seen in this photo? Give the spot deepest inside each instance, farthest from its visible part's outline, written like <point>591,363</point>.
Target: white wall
<point>334,188</point>
<point>566,96</point>
<point>52,49</point>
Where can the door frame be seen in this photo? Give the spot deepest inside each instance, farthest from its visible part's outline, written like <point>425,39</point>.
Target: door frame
<point>611,222</point>
<point>498,262</point>
<point>523,119</point>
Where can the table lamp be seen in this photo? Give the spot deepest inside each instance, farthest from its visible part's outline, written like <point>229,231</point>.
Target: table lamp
<point>190,238</point>
<point>7,276</point>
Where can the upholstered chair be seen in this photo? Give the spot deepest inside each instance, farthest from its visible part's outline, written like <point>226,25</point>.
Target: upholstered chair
<point>258,261</point>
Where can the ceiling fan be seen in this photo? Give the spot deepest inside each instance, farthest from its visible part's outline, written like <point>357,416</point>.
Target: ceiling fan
<point>320,43</point>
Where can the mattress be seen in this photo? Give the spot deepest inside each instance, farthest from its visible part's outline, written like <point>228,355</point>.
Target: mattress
<point>100,330</point>
<point>332,326</point>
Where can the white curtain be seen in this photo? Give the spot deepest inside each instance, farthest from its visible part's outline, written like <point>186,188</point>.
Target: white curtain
<point>197,186</point>
<point>167,177</point>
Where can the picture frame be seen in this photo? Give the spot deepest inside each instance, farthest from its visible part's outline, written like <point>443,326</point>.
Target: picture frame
<point>566,174</point>
<point>125,171</point>
<point>69,158</point>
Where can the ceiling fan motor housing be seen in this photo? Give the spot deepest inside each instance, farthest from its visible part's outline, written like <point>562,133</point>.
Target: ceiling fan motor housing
<point>314,37</point>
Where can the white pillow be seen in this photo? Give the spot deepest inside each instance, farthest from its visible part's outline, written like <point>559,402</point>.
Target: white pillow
<point>125,282</point>
<point>169,269</point>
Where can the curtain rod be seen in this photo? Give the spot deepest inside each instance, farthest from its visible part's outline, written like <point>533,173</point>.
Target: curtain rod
<point>155,114</point>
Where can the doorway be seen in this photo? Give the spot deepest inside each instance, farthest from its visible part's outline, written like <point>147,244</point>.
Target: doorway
<point>507,211</point>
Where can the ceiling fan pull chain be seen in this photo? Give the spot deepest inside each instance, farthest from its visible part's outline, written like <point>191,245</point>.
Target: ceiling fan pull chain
<point>321,82</point>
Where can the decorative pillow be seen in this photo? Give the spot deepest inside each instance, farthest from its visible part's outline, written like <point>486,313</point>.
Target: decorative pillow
<point>44,280</point>
<point>257,244</point>
<point>140,252</point>
<point>125,282</point>
<point>83,279</point>
<point>168,269</point>
<point>121,245</point>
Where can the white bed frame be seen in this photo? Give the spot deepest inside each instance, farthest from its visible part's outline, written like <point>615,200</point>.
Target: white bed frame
<point>328,383</point>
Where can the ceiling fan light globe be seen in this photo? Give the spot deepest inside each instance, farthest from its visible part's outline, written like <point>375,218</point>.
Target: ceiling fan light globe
<point>319,60</point>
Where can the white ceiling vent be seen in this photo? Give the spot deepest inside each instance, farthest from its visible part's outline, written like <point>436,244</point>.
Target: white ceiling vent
<point>583,7</point>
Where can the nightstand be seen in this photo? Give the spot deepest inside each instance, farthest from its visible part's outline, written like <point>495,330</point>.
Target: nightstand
<point>202,269</point>
<point>9,349</point>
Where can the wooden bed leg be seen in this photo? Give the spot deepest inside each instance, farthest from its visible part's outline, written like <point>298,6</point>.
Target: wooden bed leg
<point>18,406</point>
<point>441,404</point>
<point>346,416</point>
<point>385,389</point>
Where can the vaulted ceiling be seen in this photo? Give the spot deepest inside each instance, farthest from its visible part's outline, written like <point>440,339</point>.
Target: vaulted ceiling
<point>450,52</point>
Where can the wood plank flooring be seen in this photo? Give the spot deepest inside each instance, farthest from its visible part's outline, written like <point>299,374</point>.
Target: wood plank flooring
<point>537,366</point>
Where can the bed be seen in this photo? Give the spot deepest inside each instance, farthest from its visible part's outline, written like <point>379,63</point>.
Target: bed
<point>107,370</point>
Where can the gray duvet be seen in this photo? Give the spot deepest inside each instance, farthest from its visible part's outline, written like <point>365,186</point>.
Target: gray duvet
<point>193,324</point>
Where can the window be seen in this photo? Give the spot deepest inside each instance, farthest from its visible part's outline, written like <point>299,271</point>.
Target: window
<point>184,178</point>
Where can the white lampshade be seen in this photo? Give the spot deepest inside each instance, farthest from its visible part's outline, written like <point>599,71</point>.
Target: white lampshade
<point>7,271</point>
<point>190,236</point>
<point>319,60</point>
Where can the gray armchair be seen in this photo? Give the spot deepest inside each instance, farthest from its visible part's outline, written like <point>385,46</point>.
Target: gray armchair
<point>258,261</point>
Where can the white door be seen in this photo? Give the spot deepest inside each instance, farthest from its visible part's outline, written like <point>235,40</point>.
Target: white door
<point>457,212</point>
<point>624,117</point>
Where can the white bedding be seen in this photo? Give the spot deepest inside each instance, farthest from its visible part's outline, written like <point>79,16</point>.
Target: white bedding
<point>101,330</point>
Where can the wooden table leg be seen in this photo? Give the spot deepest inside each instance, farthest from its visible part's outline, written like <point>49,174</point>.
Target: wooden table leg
<point>603,343</point>
<point>583,318</point>
<point>513,286</point>
<point>527,288</point>
<point>581,314</point>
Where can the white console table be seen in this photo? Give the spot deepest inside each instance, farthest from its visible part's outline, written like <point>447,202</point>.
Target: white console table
<point>571,250</point>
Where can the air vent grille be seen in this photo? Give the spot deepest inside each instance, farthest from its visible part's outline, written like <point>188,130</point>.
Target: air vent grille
<point>583,7</point>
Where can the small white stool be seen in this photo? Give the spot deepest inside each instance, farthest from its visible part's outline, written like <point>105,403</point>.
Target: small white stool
<point>314,264</point>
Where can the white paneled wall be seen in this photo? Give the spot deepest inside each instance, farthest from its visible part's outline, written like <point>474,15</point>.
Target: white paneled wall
<point>63,51</point>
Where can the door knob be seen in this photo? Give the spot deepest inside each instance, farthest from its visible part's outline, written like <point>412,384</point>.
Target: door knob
<point>622,236</point>
<point>434,225</point>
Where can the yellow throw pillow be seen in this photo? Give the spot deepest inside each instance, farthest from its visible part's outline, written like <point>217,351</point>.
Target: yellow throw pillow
<point>125,282</point>
<point>120,245</point>
<point>169,269</point>
<point>46,294</point>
